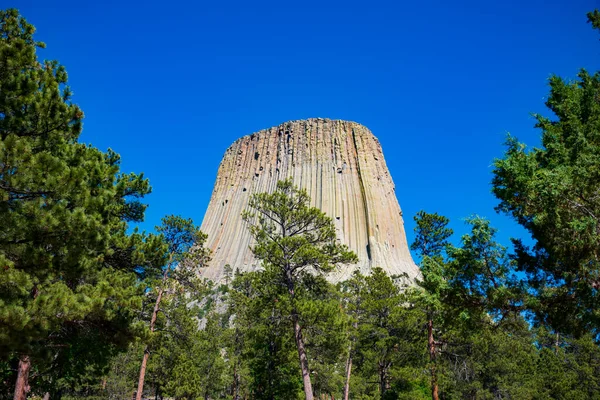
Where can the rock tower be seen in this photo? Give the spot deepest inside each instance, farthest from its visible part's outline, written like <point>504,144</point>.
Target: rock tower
<point>341,166</point>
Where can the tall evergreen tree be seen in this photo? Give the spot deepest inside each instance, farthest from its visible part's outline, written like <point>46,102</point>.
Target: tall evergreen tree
<point>431,241</point>
<point>69,265</point>
<point>294,239</point>
<point>185,254</point>
<point>465,291</point>
<point>352,295</point>
<point>554,192</point>
<point>385,353</point>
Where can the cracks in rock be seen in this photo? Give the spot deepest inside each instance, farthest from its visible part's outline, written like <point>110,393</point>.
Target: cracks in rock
<point>363,197</point>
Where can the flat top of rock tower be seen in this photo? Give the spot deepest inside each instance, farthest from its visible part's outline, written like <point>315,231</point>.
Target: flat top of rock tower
<point>307,121</point>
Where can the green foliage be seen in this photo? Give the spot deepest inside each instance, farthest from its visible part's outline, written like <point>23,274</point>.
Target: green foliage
<point>291,236</point>
<point>324,329</point>
<point>70,269</point>
<point>178,294</point>
<point>264,342</point>
<point>569,367</point>
<point>389,357</point>
<point>184,239</point>
<point>494,361</point>
<point>472,301</point>
<point>431,235</point>
<point>480,273</point>
<point>594,18</point>
<point>431,242</point>
<point>122,374</point>
<point>186,254</point>
<point>553,192</point>
<point>185,359</point>
<point>199,371</point>
<point>295,241</point>
<point>471,280</point>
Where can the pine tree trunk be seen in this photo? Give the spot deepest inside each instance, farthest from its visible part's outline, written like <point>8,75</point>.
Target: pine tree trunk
<point>22,384</point>
<point>348,372</point>
<point>431,345</point>
<point>303,359</point>
<point>382,379</point>
<point>308,392</point>
<point>349,368</point>
<point>140,389</point>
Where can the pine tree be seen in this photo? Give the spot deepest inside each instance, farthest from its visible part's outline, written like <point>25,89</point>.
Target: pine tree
<point>68,262</point>
<point>200,368</point>
<point>185,254</point>
<point>388,328</point>
<point>553,192</point>
<point>431,241</point>
<point>352,292</point>
<point>264,345</point>
<point>294,239</point>
<point>465,289</point>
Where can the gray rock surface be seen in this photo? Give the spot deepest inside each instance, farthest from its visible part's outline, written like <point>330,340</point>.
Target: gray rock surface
<point>340,164</point>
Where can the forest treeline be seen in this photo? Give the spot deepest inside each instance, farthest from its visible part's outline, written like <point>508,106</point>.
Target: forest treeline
<point>92,309</point>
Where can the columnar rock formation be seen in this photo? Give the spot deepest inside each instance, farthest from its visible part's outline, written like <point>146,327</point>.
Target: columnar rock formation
<point>340,164</point>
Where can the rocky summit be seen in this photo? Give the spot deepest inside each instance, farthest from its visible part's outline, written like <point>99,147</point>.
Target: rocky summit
<point>341,166</point>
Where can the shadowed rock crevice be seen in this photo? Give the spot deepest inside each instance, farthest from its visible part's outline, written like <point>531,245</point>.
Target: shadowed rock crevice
<point>364,198</point>
<point>341,166</point>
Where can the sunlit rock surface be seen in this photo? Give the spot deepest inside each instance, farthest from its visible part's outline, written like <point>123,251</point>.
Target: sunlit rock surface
<point>340,164</point>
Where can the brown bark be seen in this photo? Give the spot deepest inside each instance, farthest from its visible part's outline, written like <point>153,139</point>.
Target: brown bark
<point>349,366</point>
<point>22,384</point>
<point>348,372</point>
<point>303,359</point>
<point>383,378</point>
<point>140,388</point>
<point>431,345</point>
<point>308,392</point>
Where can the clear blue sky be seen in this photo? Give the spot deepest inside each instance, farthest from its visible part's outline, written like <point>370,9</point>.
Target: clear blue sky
<point>170,85</point>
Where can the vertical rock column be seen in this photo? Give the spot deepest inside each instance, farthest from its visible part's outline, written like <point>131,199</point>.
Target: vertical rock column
<point>341,166</point>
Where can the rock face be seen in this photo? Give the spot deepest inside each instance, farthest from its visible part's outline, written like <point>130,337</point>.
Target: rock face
<point>341,166</point>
